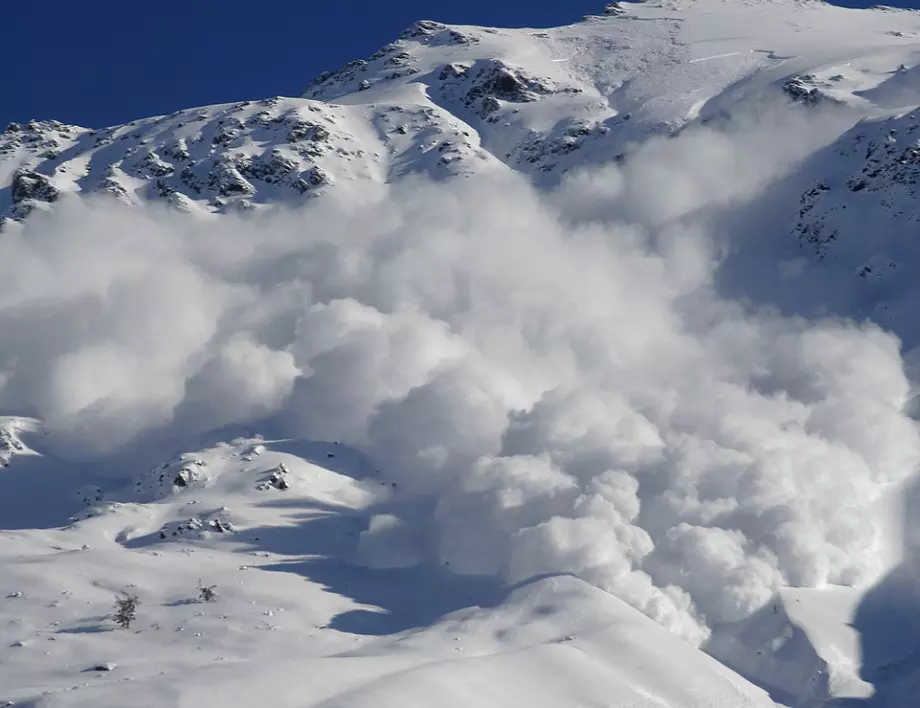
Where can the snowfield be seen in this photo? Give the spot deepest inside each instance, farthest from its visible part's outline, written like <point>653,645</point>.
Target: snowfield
<point>295,619</point>
<point>548,367</point>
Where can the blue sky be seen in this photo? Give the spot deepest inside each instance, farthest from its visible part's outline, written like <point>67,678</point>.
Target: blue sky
<point>109,61</point>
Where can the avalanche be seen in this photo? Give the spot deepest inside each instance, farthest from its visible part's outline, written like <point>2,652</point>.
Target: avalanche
<point>562,367</point>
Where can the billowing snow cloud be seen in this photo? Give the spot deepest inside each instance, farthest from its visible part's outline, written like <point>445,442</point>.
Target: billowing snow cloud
<point>554,372</point>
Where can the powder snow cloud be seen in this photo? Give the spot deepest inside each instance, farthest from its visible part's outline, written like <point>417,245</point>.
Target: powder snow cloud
<point>555,372</point>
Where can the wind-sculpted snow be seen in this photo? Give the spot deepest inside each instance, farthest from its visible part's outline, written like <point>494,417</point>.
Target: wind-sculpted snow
<point>561,381</point>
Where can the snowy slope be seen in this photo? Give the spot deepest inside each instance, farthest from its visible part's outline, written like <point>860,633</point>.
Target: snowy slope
<point>802,646</point>
<point>231,157</point>
<point>297,616</point>
<point>560,417</point>
<point>538,97</point>
<point>858,215</point>
<point>444,101</point>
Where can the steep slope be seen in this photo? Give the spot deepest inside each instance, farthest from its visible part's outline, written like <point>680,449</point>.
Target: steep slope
<point>232,157</point>
<point>802,646</point>
<point>858,216</point>
<point>538,97</point>
<point>434,101</point>
<point>298,616</point>
<point>651,438</point>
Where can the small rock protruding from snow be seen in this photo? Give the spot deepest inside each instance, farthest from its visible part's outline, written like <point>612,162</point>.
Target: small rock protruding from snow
<point>177,475</point>
<point>196,528</point>
<point>278,478</point>
<point>90,494</point>
<point>805,90</point>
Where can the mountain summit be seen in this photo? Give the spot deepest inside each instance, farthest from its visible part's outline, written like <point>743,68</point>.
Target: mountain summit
<point>454,100</point>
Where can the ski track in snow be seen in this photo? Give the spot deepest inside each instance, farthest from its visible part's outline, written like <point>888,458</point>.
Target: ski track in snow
<point>714,56</point>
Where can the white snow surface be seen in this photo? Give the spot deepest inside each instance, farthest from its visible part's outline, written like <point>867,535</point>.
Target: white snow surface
<point>294,620</point>
<point>508,366</point>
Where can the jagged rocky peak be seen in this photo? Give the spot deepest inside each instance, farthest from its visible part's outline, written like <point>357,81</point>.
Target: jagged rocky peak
<point>38,134</point>
<point>530,99</point>
<point>428,32</point>
<point>393,61</point>
<point>422,28</point>
<point>484,86</point>
<point>200,159</point>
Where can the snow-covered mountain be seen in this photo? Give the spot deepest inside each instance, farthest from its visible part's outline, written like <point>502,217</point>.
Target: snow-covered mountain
<point>447,101</point>
<point>473,371</point>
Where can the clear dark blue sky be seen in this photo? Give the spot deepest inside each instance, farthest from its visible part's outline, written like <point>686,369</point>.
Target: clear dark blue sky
<point>103,62</point>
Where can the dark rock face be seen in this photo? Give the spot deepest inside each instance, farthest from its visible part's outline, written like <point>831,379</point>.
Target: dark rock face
<point>152,166</point>
<point>195,527</point>
<point>804,89</point>
<point>227,181</point>
<point>33,185</point>
<point>812,230</point>
<point>545,151</point>
<point>312,178</point>
<point>484,86</point>
<point>178,151</point>
<point>871,175</point>
<point>306,131</point>
<point>270,168</point>
<point>222,156</point>
<point>500,81</point>
<point>894,160</point>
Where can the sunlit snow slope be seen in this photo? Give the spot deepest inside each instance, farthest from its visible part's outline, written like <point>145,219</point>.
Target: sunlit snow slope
<point>582,356</point>
<point>295,622</point>
<point>450,100</point>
